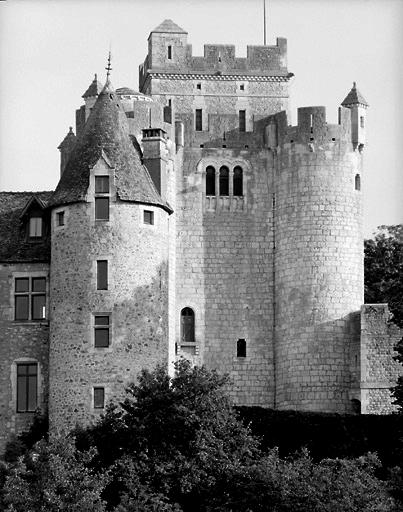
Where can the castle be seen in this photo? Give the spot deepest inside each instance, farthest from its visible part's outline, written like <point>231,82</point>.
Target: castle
<point>191,220</point>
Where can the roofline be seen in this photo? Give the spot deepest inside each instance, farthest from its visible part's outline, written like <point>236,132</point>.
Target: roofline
<point>165,207</point>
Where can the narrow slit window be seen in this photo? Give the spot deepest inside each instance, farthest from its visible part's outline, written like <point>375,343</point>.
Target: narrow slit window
<point>210,181</point>
<point>102,275</point>
<point>357,182</point>
<point>199,120</point>
<point>187,325</point>
<point>99,398</point>
<point>101,328</point>
<point>238,181</point>
<point>169,52</point>
<point>224,181</point>
<point>241,348</point>
<point>27,387</point>
<point>148,217</point>
<point>242,120</point>
<point>362,121</point>
<point>311,122</point>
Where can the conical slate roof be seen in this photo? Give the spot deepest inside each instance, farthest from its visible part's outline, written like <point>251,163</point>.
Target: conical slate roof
<point>68,140</point>
<point>354,97</point>
<point>168,26</point>
<point>106,133</point>
<point>94,89</point>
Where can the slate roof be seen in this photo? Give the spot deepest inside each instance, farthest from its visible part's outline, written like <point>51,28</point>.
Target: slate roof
<point>106,132</point>
<point>14,246</point>
<point>94,89</point>
<point>126,90</point>
<point>168,26</point>
<point>69,140</point>
<point>354,97</point>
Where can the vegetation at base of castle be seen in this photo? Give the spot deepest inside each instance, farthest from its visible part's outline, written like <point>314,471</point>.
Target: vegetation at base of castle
<point>177,444</point>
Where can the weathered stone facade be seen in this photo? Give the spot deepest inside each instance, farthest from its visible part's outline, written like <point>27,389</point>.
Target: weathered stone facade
<point>231,239</point>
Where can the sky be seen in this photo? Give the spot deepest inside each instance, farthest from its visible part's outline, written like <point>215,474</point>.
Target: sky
<point>50,50</point>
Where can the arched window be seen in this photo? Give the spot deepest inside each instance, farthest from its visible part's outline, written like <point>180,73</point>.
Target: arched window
<point>187,325</point>
<point>357,182</point>
<point>224,181</point>
<point>238,181</point>
<point>241,348</point>
<point>210,181</point>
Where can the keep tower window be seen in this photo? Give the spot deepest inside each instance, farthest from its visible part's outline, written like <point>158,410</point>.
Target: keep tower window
<point>224,181</point>
<point>199,120</point>
<point>102,191</point>
<point>238,181</point>
<point>169,50</point>
<point>210,181</point>
<point>187,325</point>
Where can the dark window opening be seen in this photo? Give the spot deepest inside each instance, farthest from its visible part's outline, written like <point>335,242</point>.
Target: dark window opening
<point>210,181</point>
<point>102,208</point>
<point>199,120</point>
<point>148,217</point>
<point>241,348</point>
<point>60,218</point>
<point>224,181</point>
<point>242,87</point>
<point>362,121</point>
<point>242,120</point>
<point>35,227</point>
<point>357,182</point>
<point>238,181</point>
<point>169,52</point>
<point>198,86</point>
<point>187,325</point>
<point>102,184</point>
<point>27,387</point>
<point>101,331</point>
<point>356,406</point>
<point>30,298</point>
<point>99,398</point>
<point>102,275</point>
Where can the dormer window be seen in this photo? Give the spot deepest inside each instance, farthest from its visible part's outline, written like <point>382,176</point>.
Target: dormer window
<point>101,197</point>
<point>35,227</point>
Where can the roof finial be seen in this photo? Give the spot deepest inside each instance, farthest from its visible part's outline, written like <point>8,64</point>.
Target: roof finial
<point>354,85</point>
<point>108,67</point>
<point>95,77</point>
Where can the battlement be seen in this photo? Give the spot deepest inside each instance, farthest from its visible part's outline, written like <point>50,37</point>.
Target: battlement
<point>312,127</point>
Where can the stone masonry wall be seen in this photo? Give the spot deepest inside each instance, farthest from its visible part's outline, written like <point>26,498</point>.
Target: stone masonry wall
<point>20,341</point>
<point>379,372</point>
<point>136,299</point>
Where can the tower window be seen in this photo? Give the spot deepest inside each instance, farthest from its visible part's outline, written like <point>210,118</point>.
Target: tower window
<point>27,387</point>
<point>242,87</point>
<point>99,398</point>
<point>357,182</point>
<point>242,120</point>
<point>199,120</point>
<point>35,227</point>
<point>362,121</point>
<point>102,208</point>
<point>210,181</point>
<point>101,331</point>
<point>224,181</point>
<point>148,217</point>
<point>238,181</point>
<point>60,218</point>
<point>241,348</point>
<point>169,52</point>
<point>102,275</point>
<point>187,325</point>
<point>198,86</point>
<point>30,298</point>
<point>311,122</point>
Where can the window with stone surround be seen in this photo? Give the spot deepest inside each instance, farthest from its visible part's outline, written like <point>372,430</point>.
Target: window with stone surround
<point>242,120</point>
<point>102,192</point>
<point>169,52</point>
<point>29,298</point>
<point>224,188</point>
<point>35,227</point>
<point>27,387</point>
<point>238,181</point>
<point>102,326</point>
<point>357,182</point>
<point>224,181</point>
<point>148,217</point>
<point>187,325</point>
<point>199,120</point>
<point>99,397</point>
<point>102,274</point>
<point>60,218</point>
<point>210,181</point>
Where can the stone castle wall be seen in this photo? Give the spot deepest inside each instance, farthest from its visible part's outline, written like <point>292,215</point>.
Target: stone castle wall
<point>136,299</point>
<point>20,342</point>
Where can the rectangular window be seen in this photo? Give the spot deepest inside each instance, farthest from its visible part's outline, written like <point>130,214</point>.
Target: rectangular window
<point>242,120</point>
<point>30,298</point>
<point>242,87</point>
<point>199,120</point>
<point>102,184</point>
<point>99,398</point>
<point>148,217</point>
<point>60,218</point>
<point>362,121</point>
<point>101,331</point>
<point>102,208</point>
<point>27,387</point>
<point>169,52</point>
<point>35,227</point>
<point>102,275</point>
<point>198,86</point>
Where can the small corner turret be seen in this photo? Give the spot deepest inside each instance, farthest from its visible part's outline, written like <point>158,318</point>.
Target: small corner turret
<point>65,148</point>
<point>356,102</point>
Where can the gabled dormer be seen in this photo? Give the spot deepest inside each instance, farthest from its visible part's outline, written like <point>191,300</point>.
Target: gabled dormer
<point>33,218</point>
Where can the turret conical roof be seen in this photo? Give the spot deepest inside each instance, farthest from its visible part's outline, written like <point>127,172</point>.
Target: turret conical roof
<point>106,133</point>
<point>354,97</point>
<point>94,89</point>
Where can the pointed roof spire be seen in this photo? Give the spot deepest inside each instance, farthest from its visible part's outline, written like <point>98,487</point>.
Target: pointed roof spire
<point>108,67</point>
<point>94,89</point>
<point>106,135</point>
<point>354,97</point>
<point>68,140</point>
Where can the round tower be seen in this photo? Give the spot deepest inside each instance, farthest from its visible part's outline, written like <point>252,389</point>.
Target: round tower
<point>109,275</point>
<point>318,268</point>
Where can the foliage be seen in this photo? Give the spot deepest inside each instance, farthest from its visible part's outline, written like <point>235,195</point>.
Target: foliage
<point>383,269</point>
<point>20,444</point>
<point>54,476</point>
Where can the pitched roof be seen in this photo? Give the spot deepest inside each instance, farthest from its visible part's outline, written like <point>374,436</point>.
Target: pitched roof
<point>15,247</point>
<point>354,97</point>
<point>106,132</point>
<point>168,26</point>
<point>94,89</point>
